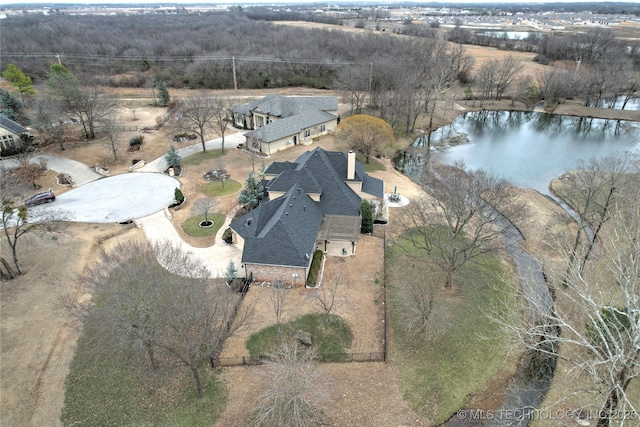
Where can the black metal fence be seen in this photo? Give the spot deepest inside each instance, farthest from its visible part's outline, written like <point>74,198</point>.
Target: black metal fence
<point>327,358</point>
<point>384,297</point>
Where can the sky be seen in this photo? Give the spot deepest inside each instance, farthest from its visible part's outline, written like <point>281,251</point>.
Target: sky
<point>327,2</point>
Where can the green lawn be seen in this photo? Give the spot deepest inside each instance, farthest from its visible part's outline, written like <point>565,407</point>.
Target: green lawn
<point>104,388</point>
<point>334,339</point>
<point>215,188</point>
<point>192,228</point>
<point>196,159</point>
<point>439,375</point>
<point>373,166</point>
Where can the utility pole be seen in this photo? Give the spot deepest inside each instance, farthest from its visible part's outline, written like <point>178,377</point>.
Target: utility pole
<point>370,82</point>
<point>235,80</point>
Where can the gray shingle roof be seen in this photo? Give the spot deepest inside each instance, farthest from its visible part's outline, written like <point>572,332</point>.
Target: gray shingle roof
<point>281,231</point>
<point>373,186</point>
<point>12,126</point>
<point>289,126</point>
<point>286,106</point>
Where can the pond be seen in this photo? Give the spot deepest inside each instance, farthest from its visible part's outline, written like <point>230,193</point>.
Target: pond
<point>509,35</point>
<point>528,148</point>
<point>618,103</point>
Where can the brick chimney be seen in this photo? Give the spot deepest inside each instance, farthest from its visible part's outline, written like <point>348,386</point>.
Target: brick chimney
<point>351,165</point>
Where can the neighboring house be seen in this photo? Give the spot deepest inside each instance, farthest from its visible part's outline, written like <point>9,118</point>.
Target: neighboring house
<point>279,122</point>
<point>10,131</point>
<point>311,204</point>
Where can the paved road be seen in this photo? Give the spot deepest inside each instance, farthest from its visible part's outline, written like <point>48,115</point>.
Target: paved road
<point>230,141</point>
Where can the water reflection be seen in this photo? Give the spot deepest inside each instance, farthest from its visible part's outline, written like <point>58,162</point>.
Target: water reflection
<point>528,148</point>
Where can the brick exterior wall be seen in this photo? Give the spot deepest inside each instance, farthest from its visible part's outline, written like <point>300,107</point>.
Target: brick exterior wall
<point>271,273</point>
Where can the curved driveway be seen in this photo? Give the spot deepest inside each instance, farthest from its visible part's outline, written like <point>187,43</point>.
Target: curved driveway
<point>118,198</point>
<point>140,196</point>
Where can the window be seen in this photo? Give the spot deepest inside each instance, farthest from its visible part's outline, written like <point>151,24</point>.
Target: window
<point>307,132</point>
<point>7,141</point>
<point>322,128</point>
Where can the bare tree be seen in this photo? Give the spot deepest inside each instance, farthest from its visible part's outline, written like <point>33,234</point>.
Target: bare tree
<point>463,218</point>
<point>199,115</point>
<point>112,130</point>
<point>416,295</point>
<point>294,389</point>
<point>507,71</point>
<point>330,294</point>
<point>278,296</point>
<point>17,221</point>
<point>86,100</point>
<point>133,106</point>
<point>355,82</point>
<point>47,122</point>
<point>591,191</point>
<point>219,121</point>
<point>180,314</point>
<point>597,314</point>
<point>204,207</point>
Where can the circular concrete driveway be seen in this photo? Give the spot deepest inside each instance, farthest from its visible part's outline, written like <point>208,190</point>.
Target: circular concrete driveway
<point>118,198</point>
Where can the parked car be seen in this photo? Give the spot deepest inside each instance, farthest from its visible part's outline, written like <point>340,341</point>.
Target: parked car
<point>40,198</point>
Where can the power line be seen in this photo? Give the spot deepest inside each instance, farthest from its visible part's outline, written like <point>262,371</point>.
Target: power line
<point>89,57</point>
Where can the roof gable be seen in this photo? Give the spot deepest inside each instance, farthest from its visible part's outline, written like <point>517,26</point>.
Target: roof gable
<point>281,231</point>
<point>291,125</point>
<point>12,126</point>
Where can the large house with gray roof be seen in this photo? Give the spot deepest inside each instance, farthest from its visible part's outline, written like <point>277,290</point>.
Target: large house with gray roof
<point>311,204</point>
<point>279,122</point>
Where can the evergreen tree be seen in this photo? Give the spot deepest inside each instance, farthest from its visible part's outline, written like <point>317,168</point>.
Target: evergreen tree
<point>231,272</point>
<point>17,78</point>
<point>252,194</point>
<point>367,217</point>
<point>163,94</point>
<point>10,106</point>
<point>177,195</point>
<point>172,157</point>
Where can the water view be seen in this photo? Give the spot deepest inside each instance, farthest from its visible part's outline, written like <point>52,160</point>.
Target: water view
<point>509,35</point>
<point>528,148</point>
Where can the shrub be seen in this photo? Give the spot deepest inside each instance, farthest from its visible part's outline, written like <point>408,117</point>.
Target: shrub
<point>180,135</point>
<point>178,196</point>
<point>136,140</point>
<point>227,236</point>
<point>315,268</point>
<point>367,217</point>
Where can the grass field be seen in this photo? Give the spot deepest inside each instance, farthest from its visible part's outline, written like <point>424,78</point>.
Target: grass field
<point>333,339</point>
<point>440,375</point>
<point>105,388</point>
<point>215,188</point>
<point>192,228</point>
<point>198,158</point>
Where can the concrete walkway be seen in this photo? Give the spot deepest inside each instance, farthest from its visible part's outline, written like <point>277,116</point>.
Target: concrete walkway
<point>159,230</point>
